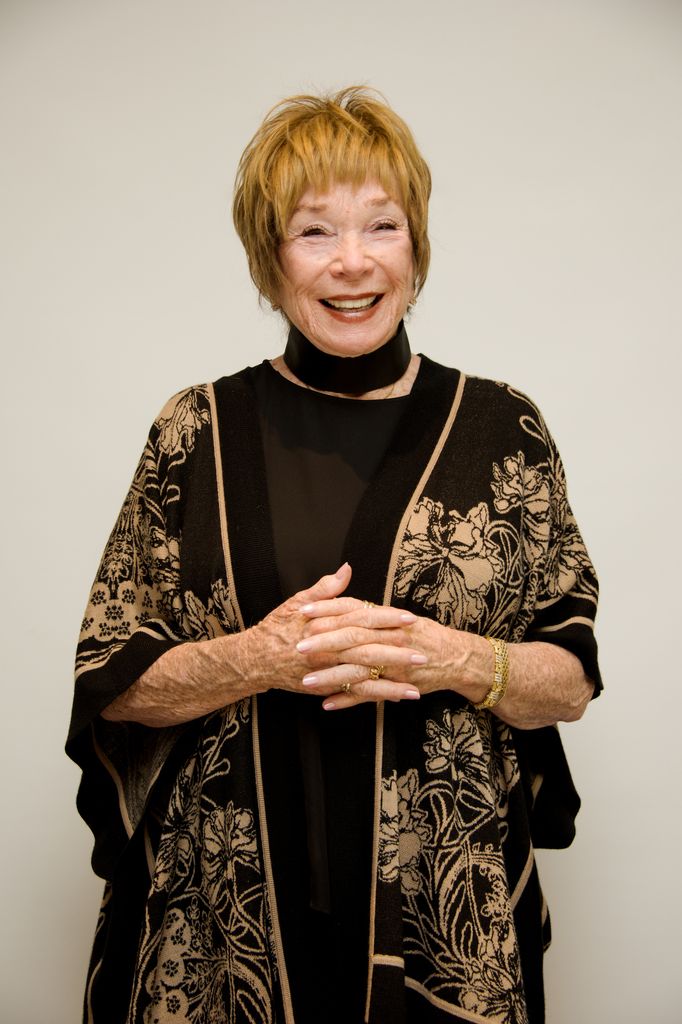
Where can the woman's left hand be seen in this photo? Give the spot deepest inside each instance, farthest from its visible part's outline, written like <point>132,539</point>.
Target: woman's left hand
<point>408,649</point>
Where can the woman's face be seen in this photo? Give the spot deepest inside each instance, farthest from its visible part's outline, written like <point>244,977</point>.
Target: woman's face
<point>348,267</point>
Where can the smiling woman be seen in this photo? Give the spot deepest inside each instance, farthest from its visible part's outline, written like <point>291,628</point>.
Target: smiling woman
<point>315,789</point>
<point>348,268</point>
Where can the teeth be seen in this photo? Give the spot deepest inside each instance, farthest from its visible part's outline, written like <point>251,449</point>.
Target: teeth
<point>350,303</point>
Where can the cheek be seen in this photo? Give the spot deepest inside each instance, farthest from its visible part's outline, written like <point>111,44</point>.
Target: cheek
<point>404,281</point>
<point>294,292</point>
<point>404,271</point>
<point>301,299</point>
<point>300,281</point>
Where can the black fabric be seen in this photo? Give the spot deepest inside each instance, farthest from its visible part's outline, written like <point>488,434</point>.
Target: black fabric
<point>350,375</point>
<point>556,803</point>
<point>320,454</point>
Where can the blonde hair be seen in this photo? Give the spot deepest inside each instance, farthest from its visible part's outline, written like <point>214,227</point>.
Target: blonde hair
<point>312,142</point>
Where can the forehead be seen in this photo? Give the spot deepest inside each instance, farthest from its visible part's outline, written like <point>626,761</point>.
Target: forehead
<point>344,195</point>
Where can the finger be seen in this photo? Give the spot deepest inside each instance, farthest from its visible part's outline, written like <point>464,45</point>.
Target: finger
<point>327,680</point>
<point>347,605</point>
<point>371,618</point>
<point>358,646</point>
<point>336,606</point>
<point>327,587</point>
<point>371,691</point>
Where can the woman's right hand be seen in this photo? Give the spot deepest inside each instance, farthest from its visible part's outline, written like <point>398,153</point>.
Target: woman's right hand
<point>196,679</point>
<point>269,658</point>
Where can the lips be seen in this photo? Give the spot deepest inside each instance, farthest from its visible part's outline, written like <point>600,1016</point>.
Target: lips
<point>357,304</point>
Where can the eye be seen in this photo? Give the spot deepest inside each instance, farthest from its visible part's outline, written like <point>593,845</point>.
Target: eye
<point>386,225</point>
<point>312,230</point>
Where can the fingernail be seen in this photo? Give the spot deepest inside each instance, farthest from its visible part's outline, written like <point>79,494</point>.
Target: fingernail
<point>408,617</point>
<point>307,608</point>
<point>329,705</point>
<point>412,694</point>
<point>342,571</point>
<point>416,659</point>
<point>309,680</point>
<point>304,645</point>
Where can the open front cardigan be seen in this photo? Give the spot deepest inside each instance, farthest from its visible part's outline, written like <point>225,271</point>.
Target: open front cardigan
<point>466,521</point>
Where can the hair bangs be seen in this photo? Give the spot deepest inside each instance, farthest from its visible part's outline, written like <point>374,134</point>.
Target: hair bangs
<point>329,155</point>
<point>310,142</point>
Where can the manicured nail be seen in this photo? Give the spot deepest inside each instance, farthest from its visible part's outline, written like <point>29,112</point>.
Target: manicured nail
<point>304,645</point>
<point>416,659</point>
<point>408,617</point>
<point>341,572</point>
<point>412,694</point>
<point>329,705</point>
<point>309,680</point>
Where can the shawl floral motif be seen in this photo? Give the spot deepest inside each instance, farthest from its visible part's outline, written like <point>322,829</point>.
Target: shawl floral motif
<point>487,542</point>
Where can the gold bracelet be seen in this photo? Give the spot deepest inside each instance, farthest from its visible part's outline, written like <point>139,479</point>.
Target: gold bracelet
<point>500,675</point>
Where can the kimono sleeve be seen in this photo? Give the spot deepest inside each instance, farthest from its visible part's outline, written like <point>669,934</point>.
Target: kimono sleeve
<point>133,616</point>
<point>567,589</point>
<point>563,592</point>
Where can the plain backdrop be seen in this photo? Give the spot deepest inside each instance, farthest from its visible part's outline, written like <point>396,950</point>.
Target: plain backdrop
<point>553,130</point>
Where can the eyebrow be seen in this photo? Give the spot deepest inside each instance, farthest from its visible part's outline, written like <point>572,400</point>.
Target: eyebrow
<point>380,200</point>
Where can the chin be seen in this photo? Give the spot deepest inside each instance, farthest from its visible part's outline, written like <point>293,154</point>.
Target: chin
<point>354,340</point>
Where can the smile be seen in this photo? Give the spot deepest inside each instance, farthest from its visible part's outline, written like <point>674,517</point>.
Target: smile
<point>364,302</point>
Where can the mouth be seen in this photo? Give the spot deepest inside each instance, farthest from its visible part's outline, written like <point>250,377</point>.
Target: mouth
<point>353,305</point>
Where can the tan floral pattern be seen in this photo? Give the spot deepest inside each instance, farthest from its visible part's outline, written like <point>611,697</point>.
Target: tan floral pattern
<point>167,1000</point>
<point>441,834</point>
<point>487,569</point>
<point>215,618</point>
<point>491,987</point>
<point>180,422</point>
<point>516,484</point>
<point>569,564</point>
<point>449,561</point>
<point>206,948</point>
<point>403,830</point>
<point>228,838</point>
<point>450,830</point>
<point>138,578</point>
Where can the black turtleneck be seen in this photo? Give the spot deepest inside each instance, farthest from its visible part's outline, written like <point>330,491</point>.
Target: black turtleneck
<point>348,375</point>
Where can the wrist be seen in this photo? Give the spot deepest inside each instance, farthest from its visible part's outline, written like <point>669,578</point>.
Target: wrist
<point>500,675</point>
<point>247,661</point>
<point>477,671</point>
<point>466,664</point>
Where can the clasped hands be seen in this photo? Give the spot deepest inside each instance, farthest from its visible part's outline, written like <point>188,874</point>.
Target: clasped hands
<point>343,638</point>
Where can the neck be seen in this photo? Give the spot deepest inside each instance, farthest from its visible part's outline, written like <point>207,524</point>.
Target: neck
<point>348,375</point>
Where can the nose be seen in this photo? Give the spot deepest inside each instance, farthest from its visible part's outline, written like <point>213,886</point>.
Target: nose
<point>350,258</point>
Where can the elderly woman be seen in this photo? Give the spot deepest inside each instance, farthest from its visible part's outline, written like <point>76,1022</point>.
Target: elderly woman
<point>339,615</point>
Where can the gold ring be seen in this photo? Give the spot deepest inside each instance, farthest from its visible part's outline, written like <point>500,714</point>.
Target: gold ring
<point>345,687</point>
<point>376,671</point>
<point>368,604</point>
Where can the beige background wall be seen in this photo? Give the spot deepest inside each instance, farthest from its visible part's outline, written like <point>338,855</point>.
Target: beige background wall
<point>553,132</point>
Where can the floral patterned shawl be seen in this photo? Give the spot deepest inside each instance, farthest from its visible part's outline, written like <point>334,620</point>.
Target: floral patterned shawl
<point>476,533</point>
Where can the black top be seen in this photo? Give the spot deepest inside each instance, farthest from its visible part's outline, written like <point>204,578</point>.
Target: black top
<point>320,451</point>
